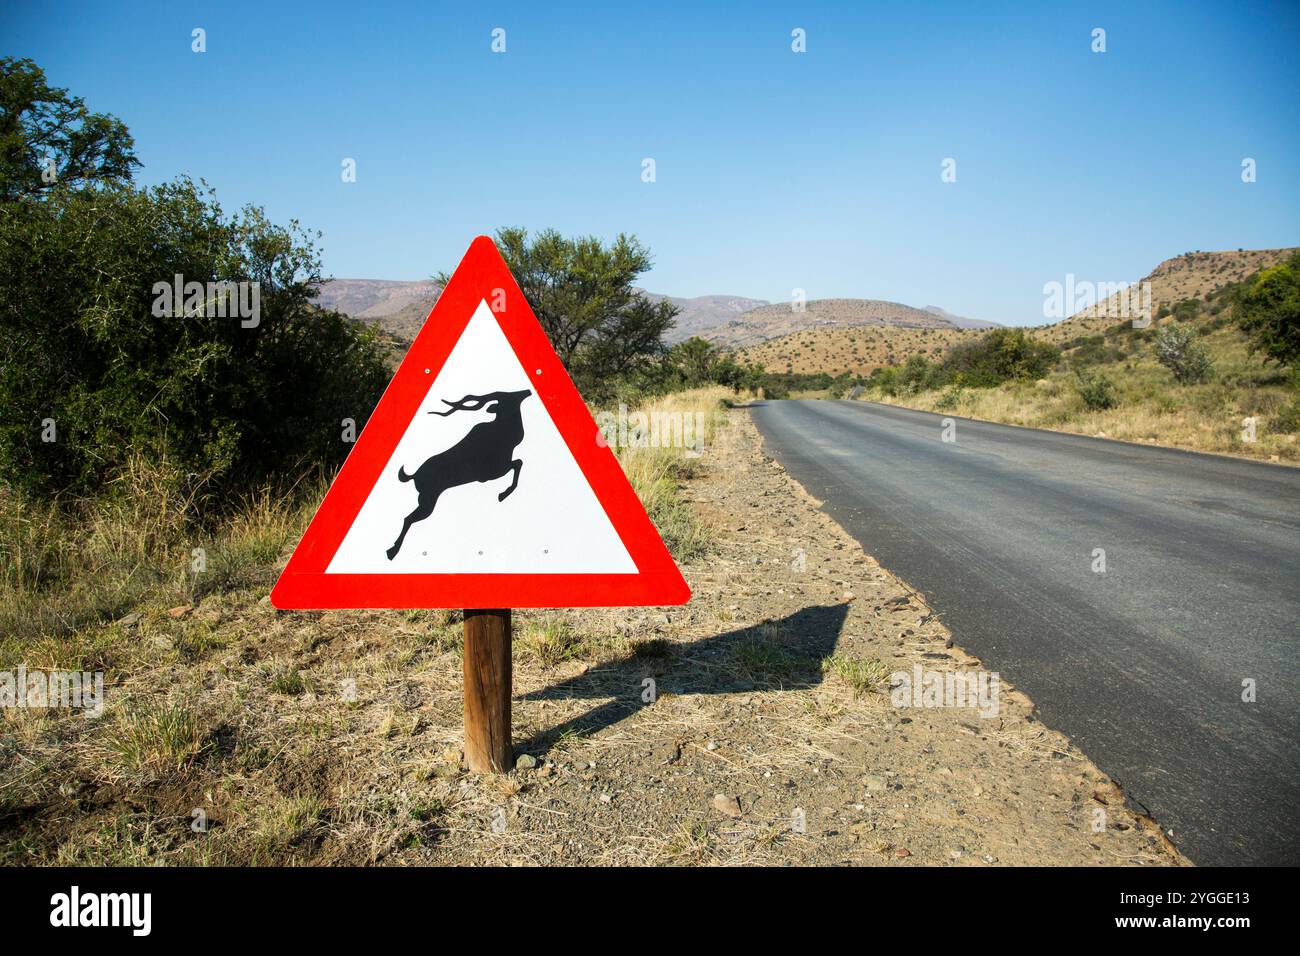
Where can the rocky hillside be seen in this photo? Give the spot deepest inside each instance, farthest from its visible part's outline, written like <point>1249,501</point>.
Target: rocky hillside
<point>375,298</point>
<point>703,314</point>
<point>1193,275</point>
<point>1112,383</point>
<point>836,349</point>
<point>732,321</point>
<point>857,350</point>
<point>780,319</point>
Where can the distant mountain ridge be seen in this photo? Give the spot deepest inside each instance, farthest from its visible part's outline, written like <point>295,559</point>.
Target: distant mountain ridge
<point>703,313</point>
<point>730,321</point>
<point>960,320</point>
<point>779,319</point>
<point>375,298</point>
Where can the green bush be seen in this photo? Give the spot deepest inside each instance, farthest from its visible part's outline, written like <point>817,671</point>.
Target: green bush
<point>1001,355</point>
<point>885,379</point>
<point>94,362</point>
<point>1288,418</point>
<point>950,399</point>
<point>915,374</point>
<point>1097,391</point>
<point>1093,350</point>
<point>1178,350</point>
<point>781,384</point>
<point>1268,310</point>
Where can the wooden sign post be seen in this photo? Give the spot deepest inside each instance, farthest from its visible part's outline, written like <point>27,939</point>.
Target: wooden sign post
<point>481,481</point>
<point>487,690</point>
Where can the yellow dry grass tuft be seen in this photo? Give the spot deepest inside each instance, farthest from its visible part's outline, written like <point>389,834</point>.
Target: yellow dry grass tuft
<point>163,738</point>
<point>657,468</point>
<point>861,674</point>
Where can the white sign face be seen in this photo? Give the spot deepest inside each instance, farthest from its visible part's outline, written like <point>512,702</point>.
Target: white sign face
<point>482,481</point>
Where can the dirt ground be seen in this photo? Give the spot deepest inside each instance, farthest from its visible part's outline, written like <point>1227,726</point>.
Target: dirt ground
<point>334,737</point>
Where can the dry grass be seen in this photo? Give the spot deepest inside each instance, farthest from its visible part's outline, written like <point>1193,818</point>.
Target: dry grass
<point>550,641</point>
<point>157,737</point>
<point>1150,408</point>
<point>861,674</point>
<point>69,566</point>
<point>656,473</point>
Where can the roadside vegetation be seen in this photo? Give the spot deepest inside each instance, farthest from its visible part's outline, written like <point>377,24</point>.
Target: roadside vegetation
<point>1216,373</point>
<point>212,697</point>
<point>158,465</point>
<point>656,473</point>
<point>236,381</point>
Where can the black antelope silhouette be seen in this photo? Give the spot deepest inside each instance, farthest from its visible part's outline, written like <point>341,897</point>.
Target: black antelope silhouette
<point>487,452</point>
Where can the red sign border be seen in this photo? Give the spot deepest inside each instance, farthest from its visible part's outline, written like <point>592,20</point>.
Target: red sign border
<point>481,276</point>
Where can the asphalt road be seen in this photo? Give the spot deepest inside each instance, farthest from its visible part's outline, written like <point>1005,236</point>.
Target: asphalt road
<point>1142,665</point>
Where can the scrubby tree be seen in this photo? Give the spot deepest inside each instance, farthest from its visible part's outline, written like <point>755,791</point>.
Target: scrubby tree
<point>735,376</point>
<point>1268,310</point>
<point>49,138</point>
<point>211,393</point>
<point>1185,310</point>
<point>1096,391</point>
<point>730,373</point>
<point>582,290</point>
<point>885,379</point>
<point>102,373</point>
<point>1178,350</point>
<point>1000,355</point>
<point>915,373</point>
<point>695,361</point>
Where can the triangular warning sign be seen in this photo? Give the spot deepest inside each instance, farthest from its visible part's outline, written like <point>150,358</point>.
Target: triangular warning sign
<point>481,480</point>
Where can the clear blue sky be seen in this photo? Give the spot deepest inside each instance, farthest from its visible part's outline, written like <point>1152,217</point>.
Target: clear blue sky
<point>775,170</point>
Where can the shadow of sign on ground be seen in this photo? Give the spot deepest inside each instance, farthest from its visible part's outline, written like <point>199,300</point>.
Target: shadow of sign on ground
<point>781,654</point>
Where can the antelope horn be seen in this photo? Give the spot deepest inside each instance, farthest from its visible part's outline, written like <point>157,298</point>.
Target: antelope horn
<point>462,405</point>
